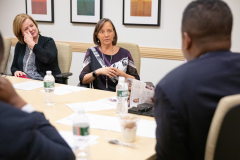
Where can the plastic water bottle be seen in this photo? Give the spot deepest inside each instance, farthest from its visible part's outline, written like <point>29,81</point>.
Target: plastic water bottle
<point>81,136</point>
<point>49,83</point>
<point>122,96</point>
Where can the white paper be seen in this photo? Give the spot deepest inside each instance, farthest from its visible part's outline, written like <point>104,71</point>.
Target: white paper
<point>67,89</point>
<point>145,128</point>
<point>73,88</point>
<point>102,104</point>
<point>68,137</point>
<point>30,85</point>
<point>110,101</point>
<point>140,93</point>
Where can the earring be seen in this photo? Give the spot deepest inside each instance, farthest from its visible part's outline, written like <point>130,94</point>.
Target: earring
<point>98,41</point>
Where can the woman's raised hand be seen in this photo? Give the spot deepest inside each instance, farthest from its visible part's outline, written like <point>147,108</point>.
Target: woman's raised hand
<point>28,38</point>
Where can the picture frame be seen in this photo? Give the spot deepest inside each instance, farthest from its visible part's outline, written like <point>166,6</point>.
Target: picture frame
<point>41,10</point>
<point>141,12</point>
<point>85,11</point>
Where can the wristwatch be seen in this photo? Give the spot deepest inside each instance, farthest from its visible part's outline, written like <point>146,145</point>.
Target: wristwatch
<point>94,74</point>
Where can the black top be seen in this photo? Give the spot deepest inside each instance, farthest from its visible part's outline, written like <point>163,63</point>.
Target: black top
<point>185,102</point>
<point>45,57</point>
<point>25,136</point>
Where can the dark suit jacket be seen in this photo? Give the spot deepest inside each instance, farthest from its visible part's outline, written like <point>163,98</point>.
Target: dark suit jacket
<point>25,136</point>
<point>46,57</point>
<point>186,99</point>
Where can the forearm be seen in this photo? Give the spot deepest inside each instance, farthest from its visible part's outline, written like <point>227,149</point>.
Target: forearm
<point>18,102</point>
<point>31,45</point>
<point>14,66</point>
<point>46,54</point>
<point>88,78</point>
<point>13,70</point>
<point>43,55</point>
<point>52,144</point>
<point>171,129</point>
<point>127,75</point>
<point>133,72</point>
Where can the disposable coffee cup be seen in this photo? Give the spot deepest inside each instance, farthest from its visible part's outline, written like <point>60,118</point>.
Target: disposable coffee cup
<point>129,127</point>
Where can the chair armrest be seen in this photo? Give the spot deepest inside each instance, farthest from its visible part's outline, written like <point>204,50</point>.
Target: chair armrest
<point>64,75</point>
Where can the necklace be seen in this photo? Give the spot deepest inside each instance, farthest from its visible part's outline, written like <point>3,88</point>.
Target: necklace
<point>109,66</point>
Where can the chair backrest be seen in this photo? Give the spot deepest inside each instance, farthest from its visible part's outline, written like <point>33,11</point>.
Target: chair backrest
<point>7,47</point>
<point>135,52</point>
<point>223,140</point>
<point>64,56</point>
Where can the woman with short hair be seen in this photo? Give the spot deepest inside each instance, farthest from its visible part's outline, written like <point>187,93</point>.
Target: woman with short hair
<point>104,63</point>
<point>34,53</point>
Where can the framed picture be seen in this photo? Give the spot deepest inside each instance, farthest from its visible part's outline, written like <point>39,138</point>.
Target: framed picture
<point>40,10</point>
<point>141,12</point>
<point>86,11</point>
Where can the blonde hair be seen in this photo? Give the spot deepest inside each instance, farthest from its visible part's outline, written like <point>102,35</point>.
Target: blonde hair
<point>17,24</point>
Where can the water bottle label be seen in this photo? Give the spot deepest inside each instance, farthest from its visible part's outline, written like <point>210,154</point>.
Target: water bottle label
<point>80,131</point>
<point>122,93</point>
<point>48,84</point>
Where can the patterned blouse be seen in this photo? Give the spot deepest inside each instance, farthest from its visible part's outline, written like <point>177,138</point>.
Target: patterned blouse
<point>95,59</point>
<point>30,69</point>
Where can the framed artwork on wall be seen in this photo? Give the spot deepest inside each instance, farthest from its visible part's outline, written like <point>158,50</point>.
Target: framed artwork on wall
<point>41,10</point>
<point>85,11</point>
<point>141,12</point>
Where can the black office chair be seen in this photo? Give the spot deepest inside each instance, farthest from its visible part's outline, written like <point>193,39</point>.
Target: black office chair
<point>223,142</point>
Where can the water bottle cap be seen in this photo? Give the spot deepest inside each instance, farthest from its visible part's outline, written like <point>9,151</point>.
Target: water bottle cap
<point>49,72</point>
<point>121,79</point>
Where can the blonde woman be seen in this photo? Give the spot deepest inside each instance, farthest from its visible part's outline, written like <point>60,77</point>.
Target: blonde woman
<point>34,53</point>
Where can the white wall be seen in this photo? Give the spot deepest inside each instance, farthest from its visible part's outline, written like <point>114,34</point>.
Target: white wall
<point>165,36</point>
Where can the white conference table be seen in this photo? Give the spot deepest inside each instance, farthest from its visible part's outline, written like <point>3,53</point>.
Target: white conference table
<point>102,150</point>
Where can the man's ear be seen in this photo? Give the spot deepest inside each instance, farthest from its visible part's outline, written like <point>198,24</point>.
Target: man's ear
<point>187,41</point>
